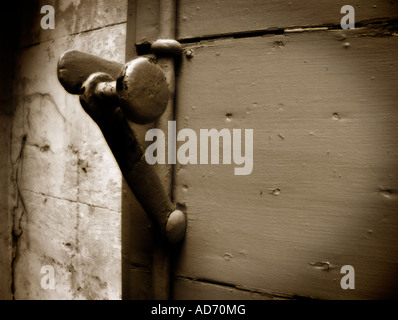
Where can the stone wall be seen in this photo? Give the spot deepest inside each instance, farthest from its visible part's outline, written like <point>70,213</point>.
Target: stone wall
<point>61,187</point>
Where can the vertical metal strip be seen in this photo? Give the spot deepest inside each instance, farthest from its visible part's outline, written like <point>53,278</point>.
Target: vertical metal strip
<point>167,30</point>
<point>131,51</point>
<point>126,223</point>
<point>161,255</point>
<point>135,229</point>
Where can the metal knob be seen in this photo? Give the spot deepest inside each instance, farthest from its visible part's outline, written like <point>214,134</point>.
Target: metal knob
<point>112,93</point>
<point>141,90</point>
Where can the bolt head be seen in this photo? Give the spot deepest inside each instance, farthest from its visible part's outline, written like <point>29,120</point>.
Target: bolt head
<point>176,226</point>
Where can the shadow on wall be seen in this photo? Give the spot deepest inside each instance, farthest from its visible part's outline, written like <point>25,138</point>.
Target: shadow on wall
<point>11,22</point>
<point>60,188</point>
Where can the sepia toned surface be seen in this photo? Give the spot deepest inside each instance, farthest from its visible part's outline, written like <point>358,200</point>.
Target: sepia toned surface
<point>201,18</point>
<point>207,18</point>
<point>65,189</point>
<point>323,191</point>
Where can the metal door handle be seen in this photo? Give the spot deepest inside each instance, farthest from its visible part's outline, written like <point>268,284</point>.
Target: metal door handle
<point>111,92</point>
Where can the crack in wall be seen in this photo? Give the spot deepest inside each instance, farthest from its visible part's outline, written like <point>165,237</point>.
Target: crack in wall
<point>370,27</point>
<point>67,36</point>
<point>18,212</point>
<point>73,279</point>
<point>261,292</point>
<point>70,200</point>
<point>71,267</point>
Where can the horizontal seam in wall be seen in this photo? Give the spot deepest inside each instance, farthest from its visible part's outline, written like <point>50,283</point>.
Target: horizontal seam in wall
<point>71,35</point>
<point>381,22</point>
<point>140,268</point>
<point>70,200</point>
<point>98,28</point>
<point>261,292</point>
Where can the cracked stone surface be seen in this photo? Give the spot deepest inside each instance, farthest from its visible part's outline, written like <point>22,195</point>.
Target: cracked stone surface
<point>65,197</point>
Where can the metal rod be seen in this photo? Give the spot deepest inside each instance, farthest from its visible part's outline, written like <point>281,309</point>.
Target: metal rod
<point>161,272</point>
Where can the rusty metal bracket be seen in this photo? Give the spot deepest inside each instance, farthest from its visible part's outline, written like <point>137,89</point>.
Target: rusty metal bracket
<point>111,93</point>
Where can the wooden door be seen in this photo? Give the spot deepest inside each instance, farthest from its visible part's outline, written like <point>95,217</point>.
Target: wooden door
<point>322,104</point>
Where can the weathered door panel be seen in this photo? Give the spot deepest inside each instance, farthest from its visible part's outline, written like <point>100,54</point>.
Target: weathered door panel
<point>322,193</point>
<point>207,18</point>
<point>201,18</point>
